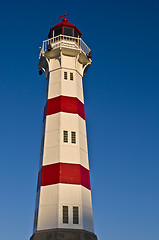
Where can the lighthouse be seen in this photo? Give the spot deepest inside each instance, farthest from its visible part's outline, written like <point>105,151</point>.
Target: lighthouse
<point>63,209</point>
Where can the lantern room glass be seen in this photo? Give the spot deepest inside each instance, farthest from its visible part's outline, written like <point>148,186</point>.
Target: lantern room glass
<point>57,32</point>
<point>68,31</point>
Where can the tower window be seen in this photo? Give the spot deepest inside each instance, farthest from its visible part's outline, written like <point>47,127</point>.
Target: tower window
<point>73,137</point>
<point>65,214</point>
<point>65,136</point>
<point>65,75</point>
<point>75,215</point>
<point>71,76</point>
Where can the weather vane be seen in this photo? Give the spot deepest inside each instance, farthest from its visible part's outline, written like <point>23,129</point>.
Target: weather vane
<point>64,15</point>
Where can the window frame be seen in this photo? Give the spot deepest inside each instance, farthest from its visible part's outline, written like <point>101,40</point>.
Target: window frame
<point>65,214</point>
<point>65,136</point>
<point>75,215</point>
<point>71,76</point>
<point>73,137</point>
<point>65,76</point>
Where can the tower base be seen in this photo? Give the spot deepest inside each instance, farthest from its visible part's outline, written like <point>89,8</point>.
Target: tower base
<point>63,234</point>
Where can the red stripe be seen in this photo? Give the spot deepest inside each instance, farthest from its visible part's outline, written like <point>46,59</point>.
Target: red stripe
<point>65,173</point>
<point>65,104</point>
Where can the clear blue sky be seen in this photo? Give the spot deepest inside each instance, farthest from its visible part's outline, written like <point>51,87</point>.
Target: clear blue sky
<point>122,112</point>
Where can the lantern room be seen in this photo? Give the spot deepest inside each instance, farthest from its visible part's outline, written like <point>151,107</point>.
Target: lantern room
<point>66,38</point>
<point>64,28</point>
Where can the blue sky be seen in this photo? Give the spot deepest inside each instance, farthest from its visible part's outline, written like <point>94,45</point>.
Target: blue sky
<point>121,92</point>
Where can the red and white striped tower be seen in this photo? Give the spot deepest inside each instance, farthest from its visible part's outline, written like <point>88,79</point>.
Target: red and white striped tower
<point>63,208</point>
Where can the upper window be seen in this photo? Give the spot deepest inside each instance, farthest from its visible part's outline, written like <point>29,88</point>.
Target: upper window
<point>65,75</point>
<point>68,31</point>
<point>73,137</point>
<point>71,76</point>
<point>65,136</point>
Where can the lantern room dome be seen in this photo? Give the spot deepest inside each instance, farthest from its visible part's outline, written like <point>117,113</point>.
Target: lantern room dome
<point>64,28</point>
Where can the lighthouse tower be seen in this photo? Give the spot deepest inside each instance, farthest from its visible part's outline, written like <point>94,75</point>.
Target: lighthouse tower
<point>63,209</point>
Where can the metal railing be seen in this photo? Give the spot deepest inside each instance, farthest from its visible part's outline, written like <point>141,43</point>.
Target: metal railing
<point>65,41</point>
